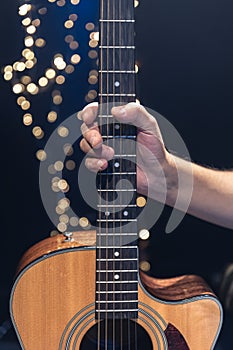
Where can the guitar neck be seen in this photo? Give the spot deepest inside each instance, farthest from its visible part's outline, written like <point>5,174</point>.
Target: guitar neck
<point>117,251</point>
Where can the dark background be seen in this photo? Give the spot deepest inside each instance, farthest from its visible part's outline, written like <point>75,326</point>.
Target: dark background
<point>185,54</point>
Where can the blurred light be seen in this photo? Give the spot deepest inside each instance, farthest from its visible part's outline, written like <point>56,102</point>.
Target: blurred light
<point>89,26</point>
<point>38,132</point>
<point>68,149</point>
<point>41,155</point>
<point>31,29</point>
<point>26,79</point>
<point>50,73</point>
<point>20,100</point>
<point>73,17</point>
<point>25,105</point>
<point>24,9</point>
<point>69,38</point>
<point>43,81</point>
<point>74,221</point>
<point>62,227</point>
<point>27,119</point>
<point>64,218</point>
<point>69,69</point>
<point>145,266</point>
<point>57,99</point>
<point>32,89</point>
<point>42,11</point>
<point>75,59</point>
<point>68,24</point>
<point>144,234</point>
<point>74,45</point>
<point>51,169</point>
<point>63,131</point>
<point>18,88</point>
<point>63,185</point>
<point>40,42</point>
<point>141,202</point>
<point>36,22</point>
<point>54,233</point>
<point>28,41</point>
<point>26,21</point>
<point>92,54</point>
<point>52,117</point>
<point>61,3</point>
<point>19,66</point>
<point>70,165</point>
<point>64,203</point>
<point>60,79</point>
<point>8,75</point>
<point>84,222</point>
<point>58,165</point>
<point>29,64</point>
<point>75,2</point>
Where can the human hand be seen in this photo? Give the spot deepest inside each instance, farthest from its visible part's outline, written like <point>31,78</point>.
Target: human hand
<point>156,172</point>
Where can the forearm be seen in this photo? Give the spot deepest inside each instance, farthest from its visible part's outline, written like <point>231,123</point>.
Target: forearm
<point>212,194</point>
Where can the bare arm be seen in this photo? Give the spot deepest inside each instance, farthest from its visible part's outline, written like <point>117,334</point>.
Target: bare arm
<point>211,196</point>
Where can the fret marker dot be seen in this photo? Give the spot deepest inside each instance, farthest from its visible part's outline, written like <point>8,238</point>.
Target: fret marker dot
<point>116,253</point>
<point>117,165</point>
<point>125,213</point>
<point>117,126</point>
<point>107,213</point>
<point>117,83</point>
<point>116,277</point>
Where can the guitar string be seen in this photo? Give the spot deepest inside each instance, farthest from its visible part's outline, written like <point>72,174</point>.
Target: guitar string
<point>114,12</point>
<point>99,242</point>
<point>107,194</point>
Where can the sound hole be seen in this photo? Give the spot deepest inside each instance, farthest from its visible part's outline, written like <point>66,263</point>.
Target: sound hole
<point>116,335</point>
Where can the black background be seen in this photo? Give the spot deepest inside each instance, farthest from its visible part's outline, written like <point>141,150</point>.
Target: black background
<point>185,54</point>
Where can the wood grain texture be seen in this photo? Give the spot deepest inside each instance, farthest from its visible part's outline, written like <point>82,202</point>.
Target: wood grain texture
<point>52,302</point>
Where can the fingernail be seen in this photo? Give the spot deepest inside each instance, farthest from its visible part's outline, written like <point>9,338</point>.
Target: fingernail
<point>100,163</point>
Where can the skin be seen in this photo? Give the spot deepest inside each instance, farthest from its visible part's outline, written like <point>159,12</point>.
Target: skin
<point>211,198</point>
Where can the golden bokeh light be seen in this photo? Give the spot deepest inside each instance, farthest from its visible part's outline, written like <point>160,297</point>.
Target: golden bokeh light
<point>60,79</point>
<point>75,2</point>
<point>38,132</point>
<point>89,26</point>
<point>144,234</point>
<point>41,155</point>
<point>24,9</point>
<point>68,149</point>
<point>29,41</point>
<point>84,222</point>
<point>40,42</point>
<point>63,131</point>
<point>58,165</point>
<point>75,59</point>
<point>50,73</point>
<point>74,221</point>
<point>70,165</point>
<point>141,202</point>
<point>144,266</point>
<point>32,89</point>
<point>52,116</point>
<point>43,81</point>
<point>18,88</point>
<point>27,119</point>
<point>20,100</point>
<point>26,21</point>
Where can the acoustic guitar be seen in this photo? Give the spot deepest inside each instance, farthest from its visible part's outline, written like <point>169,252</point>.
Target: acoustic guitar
<point>84,290</point>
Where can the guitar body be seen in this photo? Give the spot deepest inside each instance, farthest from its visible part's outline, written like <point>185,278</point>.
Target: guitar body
<point>53,305</point>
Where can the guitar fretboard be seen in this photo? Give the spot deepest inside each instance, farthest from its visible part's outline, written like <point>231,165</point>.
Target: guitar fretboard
<point>117,251</point>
